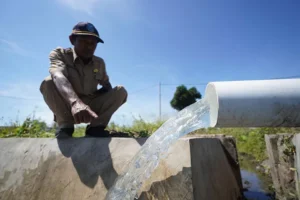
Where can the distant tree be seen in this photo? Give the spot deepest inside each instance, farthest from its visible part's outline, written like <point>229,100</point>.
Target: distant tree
<point>184,97</point>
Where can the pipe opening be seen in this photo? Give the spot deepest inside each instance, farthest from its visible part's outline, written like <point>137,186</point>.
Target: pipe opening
<point>212,99</point>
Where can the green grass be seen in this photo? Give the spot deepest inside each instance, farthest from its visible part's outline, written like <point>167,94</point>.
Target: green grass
<point>36,128</point>
<point>139,127</point>
<point>30,128</point>
<point>249,141</point>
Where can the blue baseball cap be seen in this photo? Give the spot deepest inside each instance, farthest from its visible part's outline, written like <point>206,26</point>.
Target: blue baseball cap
<point>86,28</point>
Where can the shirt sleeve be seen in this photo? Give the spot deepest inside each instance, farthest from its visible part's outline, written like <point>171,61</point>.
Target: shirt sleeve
<point>105,77</point>
<point>57,63</point>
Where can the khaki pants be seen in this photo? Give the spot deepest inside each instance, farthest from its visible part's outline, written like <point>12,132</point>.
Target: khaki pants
<point>103,104</point>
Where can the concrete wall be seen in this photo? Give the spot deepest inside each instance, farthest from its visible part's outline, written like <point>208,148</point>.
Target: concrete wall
<point>296,142</point>
<point>280,151</point>
<point>85,168</point>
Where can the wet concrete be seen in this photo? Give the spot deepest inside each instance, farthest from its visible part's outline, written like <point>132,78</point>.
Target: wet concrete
<point>85,168</point>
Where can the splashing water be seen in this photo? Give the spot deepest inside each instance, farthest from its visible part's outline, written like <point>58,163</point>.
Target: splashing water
<point>146,160</point>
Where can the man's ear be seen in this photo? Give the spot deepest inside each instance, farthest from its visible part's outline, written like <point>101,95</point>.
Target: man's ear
<point>72,39</point>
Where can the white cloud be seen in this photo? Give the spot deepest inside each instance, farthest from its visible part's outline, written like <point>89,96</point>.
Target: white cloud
<point>125,9</point>
<point>80,5</point>
<point>20,100</point>
<point>13,47</point>
<point>21,90</point>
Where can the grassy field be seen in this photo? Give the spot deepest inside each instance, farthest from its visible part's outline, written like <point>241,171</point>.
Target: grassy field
<point>249,141</point>
<point>35,128</point>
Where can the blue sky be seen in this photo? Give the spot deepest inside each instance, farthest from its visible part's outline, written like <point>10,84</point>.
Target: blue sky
<point>147,42</point>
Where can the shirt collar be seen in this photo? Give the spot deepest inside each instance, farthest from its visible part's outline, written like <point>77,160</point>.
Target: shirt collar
<point>75,57</point>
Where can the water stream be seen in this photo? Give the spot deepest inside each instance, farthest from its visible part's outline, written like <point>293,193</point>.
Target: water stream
<point>147,159</point>
<point>257,183</point>
<point>255,186</point>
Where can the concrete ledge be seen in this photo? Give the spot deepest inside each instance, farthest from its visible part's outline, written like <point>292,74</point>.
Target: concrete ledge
<point>296,142</point>
<point>281,163</point>
<point>214,172</point>
<point>85,168</point>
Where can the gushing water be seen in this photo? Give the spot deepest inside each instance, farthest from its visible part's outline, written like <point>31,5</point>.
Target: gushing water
<point>146,160</point>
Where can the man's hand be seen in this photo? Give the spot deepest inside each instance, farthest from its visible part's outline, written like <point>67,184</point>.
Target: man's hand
<point>106,86</point>
<point>101,91</point>
<point>82,113</point>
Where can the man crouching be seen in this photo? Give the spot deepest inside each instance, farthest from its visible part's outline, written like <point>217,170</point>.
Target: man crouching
<point>71,91</point>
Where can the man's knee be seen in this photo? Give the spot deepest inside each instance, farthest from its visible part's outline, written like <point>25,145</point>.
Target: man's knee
<point>122,93</point>
<point>47,85</point>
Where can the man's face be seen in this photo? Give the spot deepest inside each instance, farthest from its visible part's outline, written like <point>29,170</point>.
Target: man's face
<point>85,46</point>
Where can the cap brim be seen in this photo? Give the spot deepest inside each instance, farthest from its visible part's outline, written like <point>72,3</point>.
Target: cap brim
<point>100,40</point>
<point>90,34</point>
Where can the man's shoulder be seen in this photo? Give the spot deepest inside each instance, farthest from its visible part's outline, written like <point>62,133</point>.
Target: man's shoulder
<point>99,60</point>
<point>62,50</point>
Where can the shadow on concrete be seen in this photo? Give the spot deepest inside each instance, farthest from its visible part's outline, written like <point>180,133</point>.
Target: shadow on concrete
<point>177,187</point>
<point>234,165</point>
<point>91,158</point>
<point>142,140</point>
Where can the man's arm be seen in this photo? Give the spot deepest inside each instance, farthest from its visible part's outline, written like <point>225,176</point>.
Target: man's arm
<point>105,83</point>
<point>65,88</point>
<point>107,86</point>
<point>80,111</point>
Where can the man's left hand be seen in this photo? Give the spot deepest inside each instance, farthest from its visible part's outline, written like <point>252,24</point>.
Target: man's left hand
<point>106,86</point>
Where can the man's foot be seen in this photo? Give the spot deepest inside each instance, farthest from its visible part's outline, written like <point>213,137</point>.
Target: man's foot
<point>64,133</point>
<point>96,131</point>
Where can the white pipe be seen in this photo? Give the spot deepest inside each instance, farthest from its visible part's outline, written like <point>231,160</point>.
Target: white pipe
<point>259,103</point>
